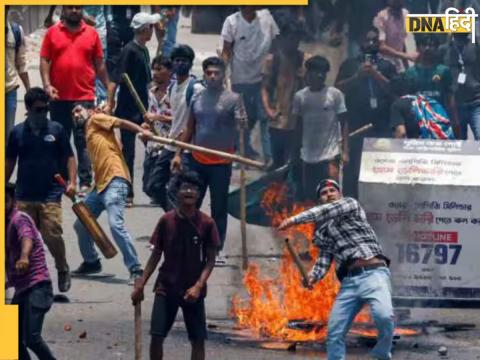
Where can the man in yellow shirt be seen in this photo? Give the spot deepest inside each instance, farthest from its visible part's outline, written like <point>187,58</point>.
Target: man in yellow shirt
<point>113,181</point>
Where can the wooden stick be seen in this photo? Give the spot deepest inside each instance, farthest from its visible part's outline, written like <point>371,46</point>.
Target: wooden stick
<point>297,261</point>
<point>225,155</point>
<point>138,331</point>
<point>360,130</point>
<point>243,200</point>
<point>133,92</point>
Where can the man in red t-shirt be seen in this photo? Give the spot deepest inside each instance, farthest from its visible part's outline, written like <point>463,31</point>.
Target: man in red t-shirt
<point>188,240</point>
<point>71,58</point>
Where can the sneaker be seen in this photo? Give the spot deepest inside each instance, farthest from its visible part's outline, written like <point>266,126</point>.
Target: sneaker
<point>87,268</point>
<point>64,281</point>
<point>134,276</point>
<point>220,260</point>
<point>129,202</point>
<point>84,189</point>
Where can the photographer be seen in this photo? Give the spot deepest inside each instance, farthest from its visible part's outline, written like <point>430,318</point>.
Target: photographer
<point>365,82</point>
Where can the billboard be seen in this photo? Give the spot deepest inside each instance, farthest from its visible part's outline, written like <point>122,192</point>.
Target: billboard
<point>422,197</point>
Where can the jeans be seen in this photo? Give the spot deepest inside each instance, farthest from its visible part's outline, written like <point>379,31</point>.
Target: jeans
<point>61,112</point>
<point>112,199</point>
<point>48,219</point>
<point>469,114</point>
<point>10,111</point>
<point>372,287</point>
<point>217,179</point>
<point>171,35</point>
<point>33,304</point>
<point>156,176</point>
<point>252,100</point>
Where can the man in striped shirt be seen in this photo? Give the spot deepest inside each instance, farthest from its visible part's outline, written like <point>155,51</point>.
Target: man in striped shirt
<point>343,234</point>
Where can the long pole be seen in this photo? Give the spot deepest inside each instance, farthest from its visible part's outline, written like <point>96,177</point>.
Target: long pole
<point>243,198</point>
<point>297,261</point>
<point>225,155</point>
<point>138,331</point>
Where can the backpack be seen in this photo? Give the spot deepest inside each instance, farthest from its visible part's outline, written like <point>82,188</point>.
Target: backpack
<point>17,34</point>
<point>433,121</point>
<point>190,88</point>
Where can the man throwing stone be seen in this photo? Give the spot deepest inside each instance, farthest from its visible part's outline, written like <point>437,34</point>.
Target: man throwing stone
<point>113,181</point>
<point>343,234</point>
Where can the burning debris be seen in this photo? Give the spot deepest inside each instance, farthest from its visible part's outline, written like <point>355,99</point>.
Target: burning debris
<point>281,308</point>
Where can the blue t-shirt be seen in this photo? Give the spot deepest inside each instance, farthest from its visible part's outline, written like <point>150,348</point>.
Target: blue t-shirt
<point>40,157</point>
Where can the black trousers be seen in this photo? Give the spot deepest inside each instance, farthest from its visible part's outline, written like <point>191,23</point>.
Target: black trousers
<point>33,304</point>
<point>281,142</point>
<point>61,112</point>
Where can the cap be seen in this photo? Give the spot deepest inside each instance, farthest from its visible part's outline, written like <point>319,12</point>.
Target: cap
<point>142,18</point>
<point>325,183</point>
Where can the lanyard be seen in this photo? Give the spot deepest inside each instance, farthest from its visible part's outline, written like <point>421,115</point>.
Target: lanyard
<point>459,55</point>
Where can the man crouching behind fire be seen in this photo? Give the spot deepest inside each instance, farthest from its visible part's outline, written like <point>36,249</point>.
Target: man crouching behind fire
<point>343,234</point>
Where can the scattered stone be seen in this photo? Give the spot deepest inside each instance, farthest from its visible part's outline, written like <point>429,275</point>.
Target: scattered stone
<point>67,327</point>
<point>79,320</point>
<point>442,350</point>
<point>415,346</point>
<point>83,335</point>
<point>109,348</point>
<point>212,326</point>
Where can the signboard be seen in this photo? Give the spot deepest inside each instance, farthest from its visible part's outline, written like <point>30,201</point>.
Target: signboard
<point>422,197</point>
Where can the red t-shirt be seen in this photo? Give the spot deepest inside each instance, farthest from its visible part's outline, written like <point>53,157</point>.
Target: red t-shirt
<point>185,244</point>
<point>71,56</point>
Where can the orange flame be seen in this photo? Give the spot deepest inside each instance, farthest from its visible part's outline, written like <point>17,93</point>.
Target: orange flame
<point>273,302</point>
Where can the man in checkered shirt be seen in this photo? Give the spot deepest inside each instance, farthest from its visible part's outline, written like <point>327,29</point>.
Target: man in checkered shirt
<point>343,234</point>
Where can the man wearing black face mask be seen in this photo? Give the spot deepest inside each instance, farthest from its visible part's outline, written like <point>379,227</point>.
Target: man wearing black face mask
<point>365,79</point>
<point>43,150</point>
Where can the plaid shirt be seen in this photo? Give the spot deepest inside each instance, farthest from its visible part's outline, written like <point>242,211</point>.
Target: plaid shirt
<point>342,233</point>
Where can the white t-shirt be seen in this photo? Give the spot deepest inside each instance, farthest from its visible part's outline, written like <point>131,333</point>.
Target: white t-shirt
<point>180,108</point>
<point>321,135</point>
<point>251,42</point>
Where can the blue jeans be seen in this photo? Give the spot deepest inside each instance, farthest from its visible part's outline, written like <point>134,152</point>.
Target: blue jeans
<point>113,200</point>
<point>252,99</point>
<point>171,35</point>
<point>10,110</point>
<point>470,115</point>
<point>373,288</point>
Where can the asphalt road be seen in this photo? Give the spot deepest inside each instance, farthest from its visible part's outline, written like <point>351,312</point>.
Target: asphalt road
<point>101,310</point>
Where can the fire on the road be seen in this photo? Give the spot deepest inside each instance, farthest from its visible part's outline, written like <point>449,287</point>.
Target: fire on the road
<point>273,303</point>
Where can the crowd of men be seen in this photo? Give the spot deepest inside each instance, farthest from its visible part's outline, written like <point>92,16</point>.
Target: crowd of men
<point>261,77</point>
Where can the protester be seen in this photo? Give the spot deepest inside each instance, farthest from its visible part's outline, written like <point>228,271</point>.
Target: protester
<point>119,32</point>
<point>135,62</point>
<point>365,81</point>
<point>94,16</point>
<point>15,69</point>
<point>158,117</point>
<point>112,182</point>
<point>463,59</point>
<point>390,23</point>
<point>417,116</point>
<point>179,94</point>
<point>343,234</point>
<point>247,37</point>
<point>43,150</point>
<point>282,77</point>
<point>321,111</point>
<point>358,15</point>
<point>27,272</point>
<point>216,114</point>
<point>429,78</point>
<point>166,37</point>
<point>187,238</point>
<point>72,50</point>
